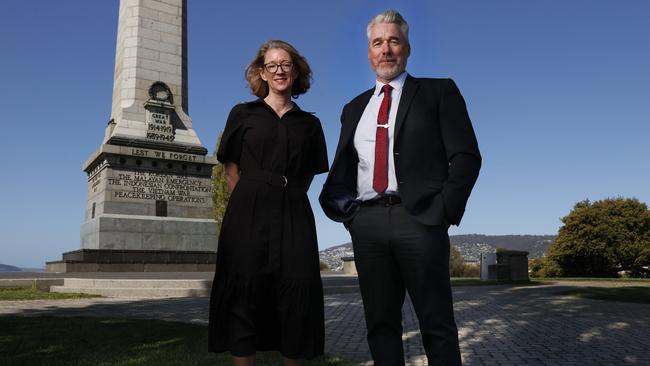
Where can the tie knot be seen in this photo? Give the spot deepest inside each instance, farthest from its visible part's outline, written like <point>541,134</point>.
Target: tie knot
<point>386,88</point>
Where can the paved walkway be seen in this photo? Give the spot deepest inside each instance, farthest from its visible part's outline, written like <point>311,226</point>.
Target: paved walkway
<point>498,325</point>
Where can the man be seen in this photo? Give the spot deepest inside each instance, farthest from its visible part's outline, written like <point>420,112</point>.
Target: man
<point>405,165</point>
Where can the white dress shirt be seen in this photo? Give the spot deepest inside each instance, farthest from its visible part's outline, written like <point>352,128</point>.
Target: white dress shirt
<point>364,140</point>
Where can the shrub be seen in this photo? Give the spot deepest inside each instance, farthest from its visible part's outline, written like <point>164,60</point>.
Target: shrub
<point>599,239</point>
<point>458,267</point>
<point>220,193</point>
<point>324,266</point>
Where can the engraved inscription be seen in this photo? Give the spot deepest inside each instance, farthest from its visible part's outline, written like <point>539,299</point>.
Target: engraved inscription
<point>159,187</point>
<point>97,169</point>
<point>169,155</point>
<point>159,125</point>
<point>95,181</point>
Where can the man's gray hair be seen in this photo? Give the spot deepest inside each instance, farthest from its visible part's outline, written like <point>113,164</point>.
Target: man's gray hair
<point>390,16</point>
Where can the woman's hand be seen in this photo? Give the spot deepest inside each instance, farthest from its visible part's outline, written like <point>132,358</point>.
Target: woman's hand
<point>232,175</point>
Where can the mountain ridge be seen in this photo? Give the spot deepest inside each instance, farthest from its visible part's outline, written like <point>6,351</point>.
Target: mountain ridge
<point>8,268</point>
<point>471,246</point>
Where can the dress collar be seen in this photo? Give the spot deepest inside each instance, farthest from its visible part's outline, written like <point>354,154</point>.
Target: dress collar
<point>296,107</point>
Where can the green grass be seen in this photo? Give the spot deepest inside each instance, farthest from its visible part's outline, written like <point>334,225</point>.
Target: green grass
<point>640,281</point>
<point>636,294</point>
<point>472,281</point>
<point>99,341</point>
<point>34,294</point>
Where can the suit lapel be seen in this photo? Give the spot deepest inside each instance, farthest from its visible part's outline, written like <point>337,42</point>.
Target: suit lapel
<point>356,110</point>
<point>411,86</point>
<point>352,121</point>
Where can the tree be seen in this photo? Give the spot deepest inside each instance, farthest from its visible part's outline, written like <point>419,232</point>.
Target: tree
<point>220,193</point>
<point>456,263</point>
<point>543,267</point>
<point>535,266</point>
<point>458,267</point>
<point>324,266</point>
<point>600,239</point>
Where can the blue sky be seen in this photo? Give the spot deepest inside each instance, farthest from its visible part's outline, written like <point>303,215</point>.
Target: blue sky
<point>558,92</point>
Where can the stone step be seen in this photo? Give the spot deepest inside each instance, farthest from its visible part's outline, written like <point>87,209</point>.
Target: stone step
<point>137,283</point>
<point>150,292</point>
<point>160,288</point>
<point>135,292</point>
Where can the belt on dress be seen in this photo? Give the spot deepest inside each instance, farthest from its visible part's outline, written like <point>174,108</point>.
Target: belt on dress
<point>273,179</point>
<point>281,184</point>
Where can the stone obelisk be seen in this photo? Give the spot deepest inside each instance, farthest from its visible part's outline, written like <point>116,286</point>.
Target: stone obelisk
<point>149,201</point>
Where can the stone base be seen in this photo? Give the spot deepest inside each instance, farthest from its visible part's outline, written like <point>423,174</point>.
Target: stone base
<point>88,260</point>
<point>147,233</point>
<point>69,267</point>
<point>349,266</point>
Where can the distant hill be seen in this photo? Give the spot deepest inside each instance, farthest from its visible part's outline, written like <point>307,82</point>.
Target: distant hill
<point>8,268</point>
<point>535,245</point>
<point>470,246</point>
<point>32,269</point>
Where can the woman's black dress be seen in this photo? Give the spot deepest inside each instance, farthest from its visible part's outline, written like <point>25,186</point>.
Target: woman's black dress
<point>267,292</point>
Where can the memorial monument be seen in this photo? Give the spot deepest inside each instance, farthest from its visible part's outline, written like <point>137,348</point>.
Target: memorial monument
<point>149,200</point>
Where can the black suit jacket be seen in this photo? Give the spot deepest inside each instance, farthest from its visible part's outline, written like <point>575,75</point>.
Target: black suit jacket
<point>436,155</point>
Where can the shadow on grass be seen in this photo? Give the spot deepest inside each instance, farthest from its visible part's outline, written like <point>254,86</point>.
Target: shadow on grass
<point>471,281</point>
<point>108,341</point>
<point>635,294</point>
<point>639,281</point>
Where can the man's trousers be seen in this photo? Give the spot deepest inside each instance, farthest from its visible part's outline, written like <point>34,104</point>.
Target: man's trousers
<point>393,254</point>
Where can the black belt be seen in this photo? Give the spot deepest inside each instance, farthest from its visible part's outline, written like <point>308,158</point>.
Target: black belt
<point>273,179</point>
<point>384,200</point>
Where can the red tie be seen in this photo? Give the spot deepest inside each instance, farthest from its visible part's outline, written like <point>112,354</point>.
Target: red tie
<point>380,176</point>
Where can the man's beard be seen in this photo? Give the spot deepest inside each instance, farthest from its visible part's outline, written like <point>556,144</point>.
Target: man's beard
<point>389,72</point>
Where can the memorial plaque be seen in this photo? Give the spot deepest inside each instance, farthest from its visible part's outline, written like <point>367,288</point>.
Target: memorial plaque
<point>159,127</point>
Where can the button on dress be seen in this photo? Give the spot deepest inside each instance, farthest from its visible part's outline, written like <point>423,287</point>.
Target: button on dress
<point>267,292</point>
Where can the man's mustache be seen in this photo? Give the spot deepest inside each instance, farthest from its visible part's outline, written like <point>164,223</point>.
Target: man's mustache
<point>388,59</point>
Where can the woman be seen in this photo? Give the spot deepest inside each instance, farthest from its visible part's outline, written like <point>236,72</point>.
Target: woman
<point>267,293</point>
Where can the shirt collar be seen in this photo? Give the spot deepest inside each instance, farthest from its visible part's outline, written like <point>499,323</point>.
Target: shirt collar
<point>397,83</point>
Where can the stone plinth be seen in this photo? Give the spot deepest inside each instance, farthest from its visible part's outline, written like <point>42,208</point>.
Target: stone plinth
<point>517,262</point>
<point>122,232</point>
<point>149,199</point>
<point>511,265</point>
<point>349,267</point>
<point>88,260</point>
<point>487,259</point>
<point>149,182</point>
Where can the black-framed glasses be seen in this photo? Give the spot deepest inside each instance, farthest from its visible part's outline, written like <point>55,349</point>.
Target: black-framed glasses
<point>273,67</point>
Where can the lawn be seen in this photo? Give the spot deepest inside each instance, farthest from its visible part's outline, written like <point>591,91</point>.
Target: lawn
<point>101,341</point>
<point>475,281</point>
<point>636,294</point>
<point>34,294</point>
<point>640,281</point>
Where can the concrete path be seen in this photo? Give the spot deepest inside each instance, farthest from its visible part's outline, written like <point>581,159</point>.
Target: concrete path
<point>498,325</point>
